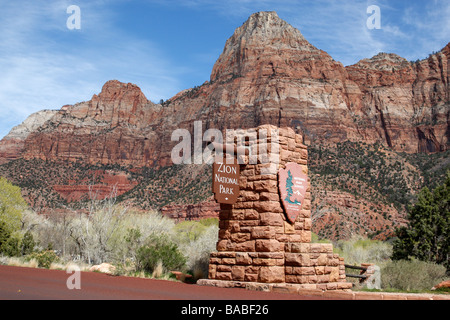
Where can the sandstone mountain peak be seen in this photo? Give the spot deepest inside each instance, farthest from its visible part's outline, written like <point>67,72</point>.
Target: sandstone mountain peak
<point>384,62</point>
<point>261,36</point>
<point>114,89</point>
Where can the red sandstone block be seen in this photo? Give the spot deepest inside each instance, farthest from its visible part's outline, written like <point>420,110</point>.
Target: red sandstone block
<point>238,273</point>
<point>283,141</point>
<point>343,285</point>
<point>226,254</point>
<point>266,186</point>
<point>267,196</point>
<point>242,258</point>
<point>272,255</point>
<point>241,205</point>
<point>249,223</point>
<point>215,260</point>
<point>334,275</point>
<point>267,245</point>
<point>297,259</point>
<point>225,245</point>
<point>299,247</point>
<point>252,269</point>
<point>323,278</point>
<point>248,196</point>
<point>290,278</point>
<point>251,277</point>
<point>267,262</point>
<point>286,132</point>
<point>229,261</point>
<point>268,206</point>
<point>249,171</point>
<point>223,268</point>
<point>247,246</point>
<point>271,274</point>
<point>240,237</point>
<point>226,276</point>
<point>271,219</point>
<point>263,232</point>
<point>320,270</point>
<point>322,260</point>
<point>251,214</point>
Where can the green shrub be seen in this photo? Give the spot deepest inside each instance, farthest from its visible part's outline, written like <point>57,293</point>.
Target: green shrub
<point>11,247</point>
<point>28,243</point>
<point>359,250</point>
<point>44,258</point>
<point>188,231</point>
<point>411,275</point>
<point>159,249</point>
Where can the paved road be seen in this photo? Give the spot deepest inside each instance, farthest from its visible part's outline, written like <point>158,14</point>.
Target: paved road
<point>17,283</point>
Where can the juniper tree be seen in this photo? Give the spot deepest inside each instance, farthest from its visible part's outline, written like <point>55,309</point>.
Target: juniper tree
<point>427,235</point>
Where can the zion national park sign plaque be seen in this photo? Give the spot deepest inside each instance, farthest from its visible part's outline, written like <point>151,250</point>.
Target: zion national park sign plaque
<point>225,182</point>
<point>292,183</point>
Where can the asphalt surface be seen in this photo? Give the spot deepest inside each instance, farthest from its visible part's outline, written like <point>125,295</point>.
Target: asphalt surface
<point>19,283</point>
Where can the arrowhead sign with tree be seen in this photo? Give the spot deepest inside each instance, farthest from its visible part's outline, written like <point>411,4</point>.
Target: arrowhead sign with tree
<point>292,183</point>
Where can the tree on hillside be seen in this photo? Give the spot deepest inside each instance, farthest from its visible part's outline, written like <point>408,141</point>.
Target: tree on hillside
<point>11,205</point>
<point>427,235</point>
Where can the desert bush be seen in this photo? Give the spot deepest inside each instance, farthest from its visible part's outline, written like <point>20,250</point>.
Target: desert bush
<point>413,275</point>
<point>361,250</point>
<point>197,251</point>
<point>44,258</point>
<point>188,231</point>
<point>134,229</point>
<point>159,249</point>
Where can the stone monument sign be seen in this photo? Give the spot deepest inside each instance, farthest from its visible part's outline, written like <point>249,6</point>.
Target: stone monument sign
<point>265,233</point>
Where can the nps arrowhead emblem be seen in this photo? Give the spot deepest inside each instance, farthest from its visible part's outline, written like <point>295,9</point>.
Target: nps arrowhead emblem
<point>292,183</point>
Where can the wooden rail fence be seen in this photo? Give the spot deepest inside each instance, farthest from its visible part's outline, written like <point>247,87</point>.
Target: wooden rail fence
<point>359,276</point>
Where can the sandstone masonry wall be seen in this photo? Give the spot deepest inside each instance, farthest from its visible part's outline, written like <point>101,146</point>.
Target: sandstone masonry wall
<point>256,242</point>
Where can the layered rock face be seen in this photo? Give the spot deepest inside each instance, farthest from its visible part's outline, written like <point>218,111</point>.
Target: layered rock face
<point>268,73</point>
<point>12,145</point>
<point>410,102</point>
<point>113,127</point>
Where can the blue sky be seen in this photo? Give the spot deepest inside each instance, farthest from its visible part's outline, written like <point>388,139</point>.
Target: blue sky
<point>165,46</point>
